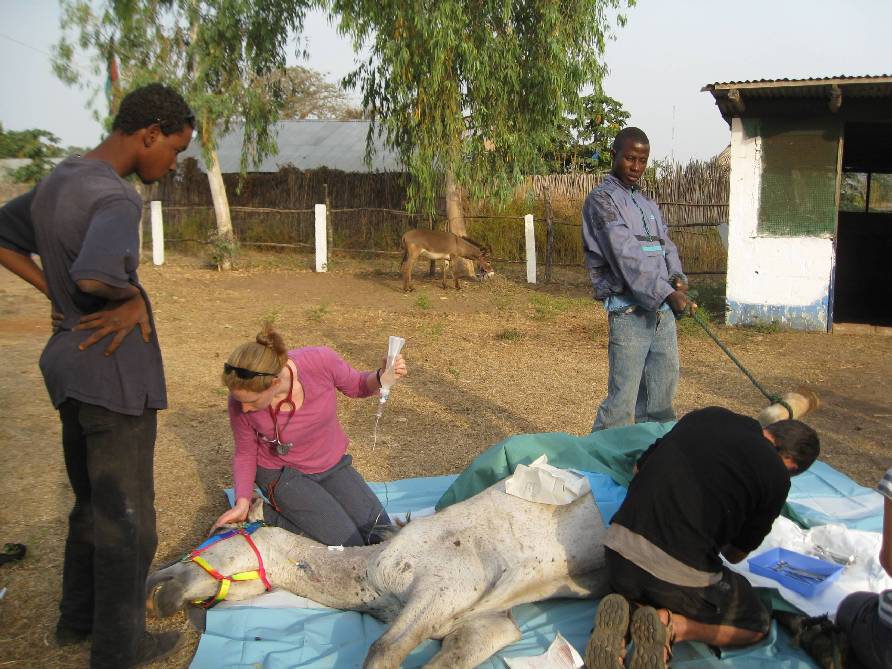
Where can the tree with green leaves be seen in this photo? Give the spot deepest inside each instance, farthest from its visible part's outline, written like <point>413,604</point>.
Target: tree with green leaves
<point>472,93</point>
<point>583,143</point>
<point>39,146</point>
<point>307,94</point>
<point>218,53</point>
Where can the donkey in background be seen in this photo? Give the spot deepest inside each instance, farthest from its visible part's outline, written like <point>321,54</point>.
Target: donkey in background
<point>441,245</point>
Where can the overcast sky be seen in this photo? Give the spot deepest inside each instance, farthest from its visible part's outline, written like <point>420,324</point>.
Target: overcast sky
<point>659,62</point>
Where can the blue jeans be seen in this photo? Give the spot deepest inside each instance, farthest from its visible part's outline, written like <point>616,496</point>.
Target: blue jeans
<point>111,528</point>
<point>643,357</point>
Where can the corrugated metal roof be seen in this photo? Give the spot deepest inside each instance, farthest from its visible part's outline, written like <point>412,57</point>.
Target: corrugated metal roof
<point>841,77</point>
<point>861,86</point>
<point>307,145</point>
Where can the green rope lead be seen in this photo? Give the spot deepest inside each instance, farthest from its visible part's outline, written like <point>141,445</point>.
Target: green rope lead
<point>771,397</point>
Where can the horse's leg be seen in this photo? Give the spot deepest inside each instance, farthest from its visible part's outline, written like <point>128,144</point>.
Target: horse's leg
<point>454,260</point>
<point>447,591</point>
<point>446,264</point>
<point>410,257</point>
<point>475,640</point>
<point>423,614</point>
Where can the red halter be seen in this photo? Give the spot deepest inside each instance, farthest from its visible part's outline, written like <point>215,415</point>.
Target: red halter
<point>226,581</point>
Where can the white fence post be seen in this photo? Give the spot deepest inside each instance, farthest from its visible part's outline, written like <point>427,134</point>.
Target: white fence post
<point>530,231</point>
<point>321,239</point>
<point>157,233</point>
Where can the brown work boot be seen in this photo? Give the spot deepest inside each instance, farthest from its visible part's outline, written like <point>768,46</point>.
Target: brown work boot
<point>651,639</point>
<point>607,645</point>
<point>155,646</point>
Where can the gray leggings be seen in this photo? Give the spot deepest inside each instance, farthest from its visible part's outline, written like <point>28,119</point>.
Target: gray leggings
<point>335,507</point>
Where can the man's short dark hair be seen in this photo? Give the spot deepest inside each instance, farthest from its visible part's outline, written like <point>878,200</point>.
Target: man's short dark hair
<point>630,134</point>
<point>797,441</point>
<point>155,103</point>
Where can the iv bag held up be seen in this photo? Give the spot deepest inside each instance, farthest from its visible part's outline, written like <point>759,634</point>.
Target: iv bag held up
<point>388,375</point>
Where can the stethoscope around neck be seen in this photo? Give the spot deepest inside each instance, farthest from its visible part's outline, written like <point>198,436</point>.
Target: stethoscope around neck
<point>281,448</point>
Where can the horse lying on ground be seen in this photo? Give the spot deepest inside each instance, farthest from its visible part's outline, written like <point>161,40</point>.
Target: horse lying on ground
<point>452,576</point>
<point>441,245</point>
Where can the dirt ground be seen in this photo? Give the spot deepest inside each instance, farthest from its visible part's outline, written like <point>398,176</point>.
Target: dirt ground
<point>496,359</point>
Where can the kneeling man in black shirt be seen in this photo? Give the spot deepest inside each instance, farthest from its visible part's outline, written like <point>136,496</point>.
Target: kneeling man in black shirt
<point>713,485</point>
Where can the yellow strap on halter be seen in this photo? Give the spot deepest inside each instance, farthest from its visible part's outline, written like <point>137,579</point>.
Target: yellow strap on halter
<point>219,597</point>
<point>226,581</point>
<point>246,576</point>
<point>224,589</point>
<point>204,564</point>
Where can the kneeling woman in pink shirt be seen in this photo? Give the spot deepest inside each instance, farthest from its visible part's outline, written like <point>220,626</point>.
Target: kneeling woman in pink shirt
<point>283,413</point>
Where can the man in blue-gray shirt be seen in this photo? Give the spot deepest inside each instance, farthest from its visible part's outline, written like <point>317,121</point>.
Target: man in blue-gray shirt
<point>83,222</point>
<point>635,269</point>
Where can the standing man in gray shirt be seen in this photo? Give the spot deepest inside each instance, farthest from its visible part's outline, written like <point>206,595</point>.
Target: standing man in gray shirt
<point>83,222</point>
<point>635,269</point>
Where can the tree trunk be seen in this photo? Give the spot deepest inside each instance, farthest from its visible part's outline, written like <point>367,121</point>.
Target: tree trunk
<point>456,221</point>
<point>221,210</point>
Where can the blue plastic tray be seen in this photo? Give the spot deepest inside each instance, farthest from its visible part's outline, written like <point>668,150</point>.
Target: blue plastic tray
<point>765,563</point>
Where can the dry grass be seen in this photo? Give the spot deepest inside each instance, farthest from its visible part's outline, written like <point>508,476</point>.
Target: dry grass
<point>496,359</point>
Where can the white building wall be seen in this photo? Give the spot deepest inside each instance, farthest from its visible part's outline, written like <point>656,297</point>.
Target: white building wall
<point>784,279</point>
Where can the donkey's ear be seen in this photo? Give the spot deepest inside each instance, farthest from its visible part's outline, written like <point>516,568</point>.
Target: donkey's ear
<point>214,531</point>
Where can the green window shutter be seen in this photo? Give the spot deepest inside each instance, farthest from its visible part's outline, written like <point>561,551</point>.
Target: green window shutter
<point>798,191</point>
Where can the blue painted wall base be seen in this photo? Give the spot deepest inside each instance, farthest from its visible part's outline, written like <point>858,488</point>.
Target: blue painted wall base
<point>810,317</point>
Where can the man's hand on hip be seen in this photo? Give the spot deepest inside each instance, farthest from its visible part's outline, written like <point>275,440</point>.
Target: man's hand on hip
<point>119,319</point>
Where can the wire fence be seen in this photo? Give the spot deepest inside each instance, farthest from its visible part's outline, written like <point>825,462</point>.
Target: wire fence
<point>366,214</point>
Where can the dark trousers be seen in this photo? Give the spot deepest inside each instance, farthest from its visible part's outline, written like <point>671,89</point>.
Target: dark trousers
<point>111,529</point>
<point>335,507</point>
<point>731,601</point>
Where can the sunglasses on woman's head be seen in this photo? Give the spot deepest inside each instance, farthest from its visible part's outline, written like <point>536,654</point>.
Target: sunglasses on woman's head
<point>243,373</point>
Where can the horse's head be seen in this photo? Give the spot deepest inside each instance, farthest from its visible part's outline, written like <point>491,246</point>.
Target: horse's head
<point>229,565</point>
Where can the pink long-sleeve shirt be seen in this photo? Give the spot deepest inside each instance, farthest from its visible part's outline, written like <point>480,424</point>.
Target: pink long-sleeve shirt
<point>318,439</point>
